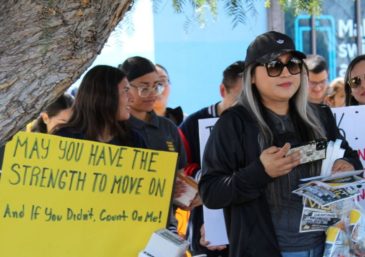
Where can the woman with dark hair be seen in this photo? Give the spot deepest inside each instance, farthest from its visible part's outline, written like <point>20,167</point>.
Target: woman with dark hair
<point>101,108</point>
<point>55,114</point>
<point>355,81</point>
<point>159,133</point>
<point>246,166</point>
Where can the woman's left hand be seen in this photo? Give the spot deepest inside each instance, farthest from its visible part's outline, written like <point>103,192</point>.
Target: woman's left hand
<point>341,165</point>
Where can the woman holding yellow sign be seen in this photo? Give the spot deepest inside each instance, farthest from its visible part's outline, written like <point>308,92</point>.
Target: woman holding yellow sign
<point>101,108</point>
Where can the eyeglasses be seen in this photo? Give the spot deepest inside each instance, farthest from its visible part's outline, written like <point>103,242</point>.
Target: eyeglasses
<point>355,82</point>
<point>144,91</point>
<point>165,81</point>
<point>276,67</point>
<point>322,83</point>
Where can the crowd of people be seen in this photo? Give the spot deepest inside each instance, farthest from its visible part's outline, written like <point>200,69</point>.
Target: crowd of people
<point>276,98</point>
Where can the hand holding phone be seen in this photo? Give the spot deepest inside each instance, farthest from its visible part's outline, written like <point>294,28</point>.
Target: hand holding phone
<point>311,151</point>
<point>276,161</point>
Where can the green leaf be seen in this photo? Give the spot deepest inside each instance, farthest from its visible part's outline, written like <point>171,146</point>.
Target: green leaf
<point>239,9</point>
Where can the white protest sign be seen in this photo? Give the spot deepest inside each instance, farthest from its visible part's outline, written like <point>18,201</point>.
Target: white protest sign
<point>215,227</point>
<point>351,122</point>
<point>205,127</point>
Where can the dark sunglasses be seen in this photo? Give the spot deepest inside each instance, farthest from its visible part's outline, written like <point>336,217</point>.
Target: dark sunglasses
<point>276,67</point>
<point>355,82</point>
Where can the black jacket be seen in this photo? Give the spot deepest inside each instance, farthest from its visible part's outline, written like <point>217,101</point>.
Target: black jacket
<point>235,179</point>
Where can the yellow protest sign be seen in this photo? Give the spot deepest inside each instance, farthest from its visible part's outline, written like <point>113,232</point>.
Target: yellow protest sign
<point>75,198</point>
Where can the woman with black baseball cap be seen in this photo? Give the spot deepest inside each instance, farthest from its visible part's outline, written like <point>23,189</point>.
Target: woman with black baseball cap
<point>247,169</point>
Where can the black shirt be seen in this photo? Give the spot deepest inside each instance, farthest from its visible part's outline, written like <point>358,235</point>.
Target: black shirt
<point>286,208</point>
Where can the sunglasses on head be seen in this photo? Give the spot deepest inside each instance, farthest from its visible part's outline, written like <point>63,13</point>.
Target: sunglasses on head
<point>355,82</point>
<point>275,68</point>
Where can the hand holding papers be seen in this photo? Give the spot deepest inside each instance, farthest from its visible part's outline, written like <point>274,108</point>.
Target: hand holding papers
<point>333,152</point>
<point>215,227</point>
<point>190,190</point>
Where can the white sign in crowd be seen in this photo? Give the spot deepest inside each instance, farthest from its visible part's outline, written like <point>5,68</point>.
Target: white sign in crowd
<point>351,122</point>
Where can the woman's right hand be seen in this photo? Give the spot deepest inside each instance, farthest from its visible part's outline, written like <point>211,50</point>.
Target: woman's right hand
<point>205,243</point>
<point>277,163</point>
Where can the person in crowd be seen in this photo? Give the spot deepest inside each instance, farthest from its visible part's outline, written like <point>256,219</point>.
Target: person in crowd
<point>101,109</point>
<point>56,113</point>
<point>335,96</point>
<point>230,88</point>
<point>318,78</point>
<point>176,115</point>
<point>158,132</point>
<point>354,81</point>
<point>247,169</point>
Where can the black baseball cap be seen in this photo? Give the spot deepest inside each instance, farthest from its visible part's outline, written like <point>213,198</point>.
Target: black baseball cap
<point>268,46</point>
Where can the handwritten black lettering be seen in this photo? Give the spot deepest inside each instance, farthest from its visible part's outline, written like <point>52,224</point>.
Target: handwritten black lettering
<point>342,131</point>
<point>13,213</point>
<point>100,181</point>
<point>106,155</point>
<point>35,212</point>
<point>70,151</point>
<point>104,216</point>
<point>157,187</point>
<point>210,128</point>
<point>38,149</point>
<point>47,177</point>
<point>144,159</point>
<point>126,184</point>
<point>136,216</point>
<point>152,217</point>
<point>51,216</point>
<point>80,215</point>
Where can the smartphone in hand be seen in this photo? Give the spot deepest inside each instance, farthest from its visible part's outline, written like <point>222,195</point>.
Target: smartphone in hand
<point>311,151</point>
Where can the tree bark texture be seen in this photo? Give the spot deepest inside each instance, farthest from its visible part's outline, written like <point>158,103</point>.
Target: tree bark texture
<point>44,47</point>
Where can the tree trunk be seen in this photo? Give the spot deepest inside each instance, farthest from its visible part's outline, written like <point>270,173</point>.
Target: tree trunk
<point>45,46</point>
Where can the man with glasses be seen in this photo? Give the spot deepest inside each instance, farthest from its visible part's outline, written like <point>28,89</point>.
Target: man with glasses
<point>229,89</point>
<point>318,78</point>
